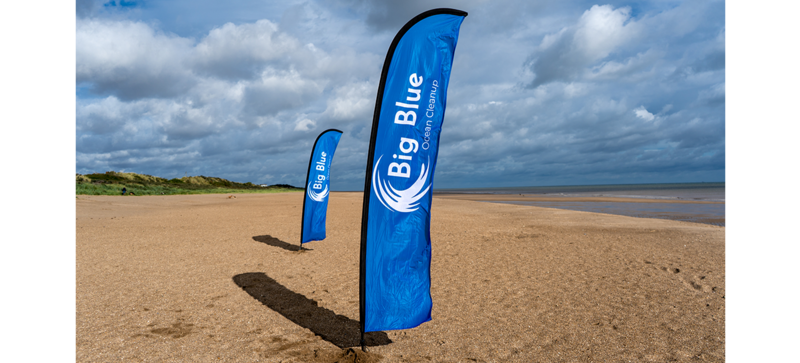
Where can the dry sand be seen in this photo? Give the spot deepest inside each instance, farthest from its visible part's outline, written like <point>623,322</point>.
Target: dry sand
<point>208,278</point>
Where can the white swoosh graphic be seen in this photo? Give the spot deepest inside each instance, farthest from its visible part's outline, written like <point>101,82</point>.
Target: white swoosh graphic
<point>317,196</point>
<point>403,201</point>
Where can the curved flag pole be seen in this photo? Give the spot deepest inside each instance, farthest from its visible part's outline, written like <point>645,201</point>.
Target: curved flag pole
<point>447,28</point>
<point>329,147</point>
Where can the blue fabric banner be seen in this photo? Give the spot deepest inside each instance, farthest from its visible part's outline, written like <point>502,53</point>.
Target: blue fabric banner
<point>315,205</point>
<point>395,234</point>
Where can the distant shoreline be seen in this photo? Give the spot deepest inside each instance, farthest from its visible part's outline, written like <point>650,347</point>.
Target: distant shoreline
<point>628,193</point>
<point>600,186</point>
<point>539,198</point>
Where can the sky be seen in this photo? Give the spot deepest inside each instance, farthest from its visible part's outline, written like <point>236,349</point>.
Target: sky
<point>541,93</point>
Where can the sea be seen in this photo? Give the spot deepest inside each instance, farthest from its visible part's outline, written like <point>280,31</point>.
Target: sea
<point>707,213</point>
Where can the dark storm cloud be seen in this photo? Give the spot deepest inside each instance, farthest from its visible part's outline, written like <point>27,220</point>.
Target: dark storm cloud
<point>714,61</point>
<point>84,8</point>
<point>391,15</point>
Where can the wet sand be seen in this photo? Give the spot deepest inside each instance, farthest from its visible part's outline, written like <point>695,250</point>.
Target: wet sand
<point>210,278</point>
<point>698,211</point>
<point>540,198</point>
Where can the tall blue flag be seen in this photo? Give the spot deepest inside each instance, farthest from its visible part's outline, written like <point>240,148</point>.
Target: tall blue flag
<point>315,204</point>
<point>395,227</point>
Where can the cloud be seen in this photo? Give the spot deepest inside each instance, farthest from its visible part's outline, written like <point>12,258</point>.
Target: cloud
<point>715,95</point>
<point>239,91</point>
<point>631,69</point>
<point>354,101</point>
<point>130,60</point>
<point>84,8</point>
<point>643,114</point>
<point>243,51</point>
<point>392,15</point>
<point>305,125</point>
<point>279,91</point>
<point>564,55</point>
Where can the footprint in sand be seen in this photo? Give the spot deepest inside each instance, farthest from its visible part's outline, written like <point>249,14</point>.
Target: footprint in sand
<point>177,330</point>
<point>690,282</point>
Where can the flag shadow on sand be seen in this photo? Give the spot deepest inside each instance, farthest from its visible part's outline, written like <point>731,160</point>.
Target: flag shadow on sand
<point>340,330</point>
<point>272,241</point>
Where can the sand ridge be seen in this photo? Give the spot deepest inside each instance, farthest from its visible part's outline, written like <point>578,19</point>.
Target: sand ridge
<point>209,278</point>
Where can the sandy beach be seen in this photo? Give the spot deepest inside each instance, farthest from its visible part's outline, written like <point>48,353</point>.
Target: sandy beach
<point>208,278</point>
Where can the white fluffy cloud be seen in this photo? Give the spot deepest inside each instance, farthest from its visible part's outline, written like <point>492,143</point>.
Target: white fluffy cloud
<point>599,31</point>
<point>351,102</point>
<point>602,29</point>
<point>241,52</point>
<point>643,114</point>
<point>131,60</point>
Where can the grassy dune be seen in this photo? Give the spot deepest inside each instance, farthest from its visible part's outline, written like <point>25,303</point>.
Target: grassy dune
<point>111,183</point>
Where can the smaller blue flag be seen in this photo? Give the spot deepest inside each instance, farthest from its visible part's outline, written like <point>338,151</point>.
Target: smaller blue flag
<point>315,204</point>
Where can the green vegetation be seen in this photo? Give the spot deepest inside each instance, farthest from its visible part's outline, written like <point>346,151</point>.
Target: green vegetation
<point>111,183</point>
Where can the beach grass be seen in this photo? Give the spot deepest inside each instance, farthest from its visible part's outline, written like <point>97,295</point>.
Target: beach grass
<point>112,183</point>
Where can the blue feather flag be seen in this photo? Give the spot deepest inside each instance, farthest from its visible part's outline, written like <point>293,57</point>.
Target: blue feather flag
<point>395,232</point>
<point>315,204</point>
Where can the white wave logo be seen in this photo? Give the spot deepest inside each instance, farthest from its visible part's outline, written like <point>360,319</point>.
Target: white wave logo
<point>403,201</point>
<point>318,197</point>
